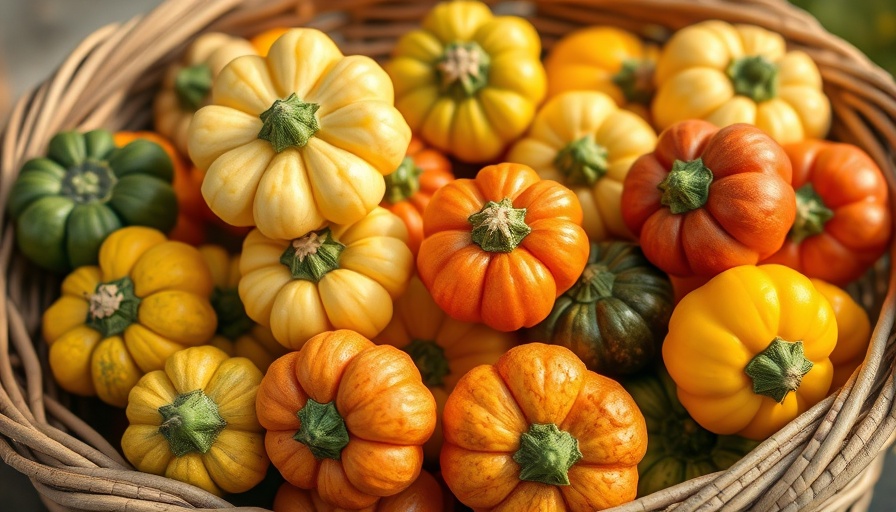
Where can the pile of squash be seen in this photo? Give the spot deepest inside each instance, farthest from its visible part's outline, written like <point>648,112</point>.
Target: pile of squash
<point>641,279</point>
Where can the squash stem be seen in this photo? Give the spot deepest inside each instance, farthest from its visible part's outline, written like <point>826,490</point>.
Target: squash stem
<point>233,321</point>
<point>191,423</point>
<point>779,369</point>
<point>289,123</point>
<point>499,227</point>
<point>754,77</point>
<point>430,360</point>
<point>595,283</point>
<point>686,187</point>
<point>113,307</point>
<point>811,214</point>
<point>89,181</point>
<point>322,430</point>
<point>464,67</point>
<point>404,182</point>
<point>312,256</point>
<point>192,85</point>
<point>583,161</point>
<point>546,453</point>
<point>635,79</point>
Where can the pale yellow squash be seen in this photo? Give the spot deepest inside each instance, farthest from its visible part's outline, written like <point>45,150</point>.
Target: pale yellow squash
<point>339,277</point>
<point>299,138</point>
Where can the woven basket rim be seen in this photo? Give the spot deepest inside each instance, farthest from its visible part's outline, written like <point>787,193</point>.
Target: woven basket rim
<point>829,455</point>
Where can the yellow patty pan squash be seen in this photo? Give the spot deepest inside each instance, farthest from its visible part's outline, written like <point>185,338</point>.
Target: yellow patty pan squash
<point>299,138</point>
<point>729,74</point>
<point>237,334</point>
<point>605,59</point>
<point>443,349</point>
<point>339,277</point>
<point>467,81</point>
<point>195,422</point>
<point>187,83</point>
<point>750,350</point>
<point>584,141</point>
<point>147,299</point>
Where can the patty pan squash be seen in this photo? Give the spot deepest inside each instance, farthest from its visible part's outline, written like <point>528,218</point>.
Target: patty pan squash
<point>584,141</point>
<point>147,299</point>
<point>467,81</point>
<point>299,138</point>
<point>187,84</point>
<point>339,277</point>
<point>66,203</point>
<point>538,431</point>
<point>195,422</point>
<point>346,417</point>
<point>750,350</point>
<point>728,74</point>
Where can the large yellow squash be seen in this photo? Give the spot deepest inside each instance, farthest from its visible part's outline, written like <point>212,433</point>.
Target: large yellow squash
<point>729,74</point>
<point>340,277</point>
<point>147,299</point>
<point>298,138</point>
<point>468,81</point>
<point>750,350</point>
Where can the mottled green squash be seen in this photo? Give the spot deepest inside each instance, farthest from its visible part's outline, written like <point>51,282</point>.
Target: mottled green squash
<point>615,317</point>
<point>678,449</point>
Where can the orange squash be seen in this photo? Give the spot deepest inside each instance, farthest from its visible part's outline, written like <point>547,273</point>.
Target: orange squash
<point>424,495</point>
<point>409,189</point>
<point>538,431</point>
<point>346,417</point>
<point>500,248</point>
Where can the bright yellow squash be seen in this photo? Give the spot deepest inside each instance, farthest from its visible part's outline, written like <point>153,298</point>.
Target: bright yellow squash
<point>584,141</point>
<point>147,299</point>
<point>853,328</point>
<point>729,74</point>
<point>237,334</point>
<point>339,277</point>
<point>298,138</point>
<point>605,59</point>
<point>749,350</point>
<point>187,84</point>
<point>443,349</point>
<point>195,422</point>
<point>467,81</point>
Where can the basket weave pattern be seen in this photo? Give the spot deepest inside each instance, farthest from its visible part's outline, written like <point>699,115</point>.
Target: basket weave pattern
<point>827,459</point>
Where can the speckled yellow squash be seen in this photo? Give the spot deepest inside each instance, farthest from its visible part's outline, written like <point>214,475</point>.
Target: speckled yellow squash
<point>729,74</point>
<point>195,422</point>
<point>187,84</point>
<point>147,299</point>
<point>467,81</point>
<point>237,334</point>
<point>299,138</point>
<point>584,141</point>
<point>340,277</point>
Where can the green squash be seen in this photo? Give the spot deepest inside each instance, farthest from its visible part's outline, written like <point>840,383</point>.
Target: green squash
<point>678,449</point>
<point>616,316</point>
<point>65,204</point>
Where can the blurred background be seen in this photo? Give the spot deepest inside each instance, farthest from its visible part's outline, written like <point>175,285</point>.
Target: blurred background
<point>36,35</point>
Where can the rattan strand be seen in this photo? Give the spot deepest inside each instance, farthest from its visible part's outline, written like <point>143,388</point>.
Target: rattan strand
<point>827,459</point>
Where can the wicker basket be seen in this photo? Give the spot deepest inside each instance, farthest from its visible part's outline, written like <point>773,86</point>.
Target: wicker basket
<point>827,459</point>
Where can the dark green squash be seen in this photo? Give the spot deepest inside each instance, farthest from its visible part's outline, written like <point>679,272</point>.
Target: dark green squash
<point>65,204</point>
<point>616,316</point>
<point>678,449</point>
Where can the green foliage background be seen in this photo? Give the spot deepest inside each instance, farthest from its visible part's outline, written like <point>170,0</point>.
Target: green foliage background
<point>870,25</point>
